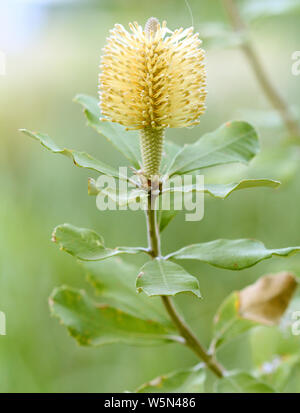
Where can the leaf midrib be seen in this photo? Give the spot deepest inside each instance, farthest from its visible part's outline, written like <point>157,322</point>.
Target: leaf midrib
<point>209,152</point>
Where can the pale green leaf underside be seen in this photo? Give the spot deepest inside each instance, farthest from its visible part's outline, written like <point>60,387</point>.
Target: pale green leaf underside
<point>233,142</point>
<point>224,190</point>
<point>184,381</point>
<point>86,244</point>
<point>160,277</point>
<point>241,382</point>
<point>228,323</point>
<point>80,159</point>
<point>231,254</point>
<point>93,324</point>
<point>114,280</point>
<point>127,142</point>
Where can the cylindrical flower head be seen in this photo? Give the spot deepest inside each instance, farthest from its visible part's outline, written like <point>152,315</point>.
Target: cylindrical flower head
<point>152,78</point>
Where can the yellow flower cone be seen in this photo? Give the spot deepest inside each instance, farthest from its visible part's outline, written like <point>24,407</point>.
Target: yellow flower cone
<point>150,80</point>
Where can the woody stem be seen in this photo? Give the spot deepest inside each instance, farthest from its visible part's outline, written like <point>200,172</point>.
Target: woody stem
<point>187,334</point>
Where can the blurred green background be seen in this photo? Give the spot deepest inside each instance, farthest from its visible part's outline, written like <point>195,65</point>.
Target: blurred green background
<point>52,53</point>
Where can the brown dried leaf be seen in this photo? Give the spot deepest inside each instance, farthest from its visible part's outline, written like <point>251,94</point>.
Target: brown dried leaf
<point>266,300</point>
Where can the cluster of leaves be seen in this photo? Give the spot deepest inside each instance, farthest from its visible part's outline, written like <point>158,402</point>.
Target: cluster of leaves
<point>130,311</point>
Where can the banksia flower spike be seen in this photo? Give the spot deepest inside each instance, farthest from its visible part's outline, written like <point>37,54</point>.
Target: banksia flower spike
<point>150,80</point>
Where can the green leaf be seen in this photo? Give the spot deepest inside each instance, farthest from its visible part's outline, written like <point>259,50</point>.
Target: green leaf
<point>86,244</point>
<point>160,277</point>
<point>114,280</point>
<point>232,142</point>
<point>80,159</point>
<point>171,150</point>
<point>164,218</point>
<point>241,382</point>
<point>231,254</point>
<point>93,324</point>
<point>228,322</point>
<point>183,381</point>
<point>127,142</point>
<point>224,190</point>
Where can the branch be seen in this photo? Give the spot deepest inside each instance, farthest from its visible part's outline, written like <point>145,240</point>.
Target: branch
<point>262,77</point>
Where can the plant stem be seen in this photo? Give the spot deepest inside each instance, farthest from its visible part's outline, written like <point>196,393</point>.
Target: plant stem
<point>262,77</point>
<point>189,337</point>
<point>152,229</point>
